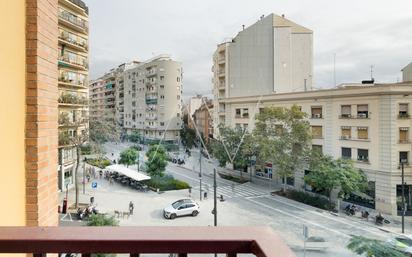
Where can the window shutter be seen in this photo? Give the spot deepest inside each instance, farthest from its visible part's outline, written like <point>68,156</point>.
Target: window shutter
<point>346,109</point>
<point>403,107</point>
<point>362,108</point>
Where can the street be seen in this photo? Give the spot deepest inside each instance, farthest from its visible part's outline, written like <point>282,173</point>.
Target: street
<point>246,204</point>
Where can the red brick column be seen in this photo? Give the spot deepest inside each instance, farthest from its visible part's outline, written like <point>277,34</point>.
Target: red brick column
<point>41,112</point>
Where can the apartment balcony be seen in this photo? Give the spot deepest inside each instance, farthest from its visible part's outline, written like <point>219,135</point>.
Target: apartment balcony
<point>221,73</point>
<point>221,59</point>
<point>151,73</point>
<point>259,241</point>
<point>316,116</point>
<point>70,100</point>
<point>66,81</point>
<point>403,116</point>
<point>75,44</point>
<point>405,141</point>
<point>66,121</point>
<point>74,63</point>
<point>70,20</point>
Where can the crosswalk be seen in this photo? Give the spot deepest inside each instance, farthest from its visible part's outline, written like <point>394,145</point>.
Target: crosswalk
<point>245,190</point>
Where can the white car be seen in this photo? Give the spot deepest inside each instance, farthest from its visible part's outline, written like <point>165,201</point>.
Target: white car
<point>183,207</point>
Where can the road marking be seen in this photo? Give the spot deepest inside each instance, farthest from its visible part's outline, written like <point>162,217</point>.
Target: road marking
<point>305,221</point>
<point>325,216</point>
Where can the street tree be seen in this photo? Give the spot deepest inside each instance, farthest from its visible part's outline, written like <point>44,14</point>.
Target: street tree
<point>135,136</point>
<point>156,161</point>
<point>102,220</point>
<point>188,136</point>
<point>102,131</point>
<point>327,174</point>
<point>283,137</point>
<point>229,147</point>
<point>128,156</point>
<point>372,248</point>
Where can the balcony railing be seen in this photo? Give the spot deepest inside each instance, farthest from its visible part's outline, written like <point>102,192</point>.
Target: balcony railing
<point>260,241</point>
<point>72,99</point>
<point>76,62</point>
<point>73,19</point>
<point>75,80</point>
<point>403,116</point>
<point>151,100</point>
<point>76,41</point>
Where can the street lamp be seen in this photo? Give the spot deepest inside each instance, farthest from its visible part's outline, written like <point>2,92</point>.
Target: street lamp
<point>403,161</point>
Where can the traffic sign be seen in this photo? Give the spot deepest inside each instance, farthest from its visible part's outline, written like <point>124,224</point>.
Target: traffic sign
<point>94,184</point>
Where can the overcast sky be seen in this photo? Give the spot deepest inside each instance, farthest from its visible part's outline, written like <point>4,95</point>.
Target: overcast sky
<point>360,32</point>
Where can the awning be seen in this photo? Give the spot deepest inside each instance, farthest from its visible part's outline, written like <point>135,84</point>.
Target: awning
<point>133,174</point>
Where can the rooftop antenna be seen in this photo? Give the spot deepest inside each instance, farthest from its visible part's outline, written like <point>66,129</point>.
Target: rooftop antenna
<point>372,72</point>
<point>243,26</point>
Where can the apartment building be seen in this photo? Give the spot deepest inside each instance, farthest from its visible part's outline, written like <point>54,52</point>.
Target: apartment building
<point>202,118</point>
<point>369,124</point>
<point>72,81</point>
<point>407,73</point>
<point>193,104</point>
<point>274,55</point>
<point>153,99</point>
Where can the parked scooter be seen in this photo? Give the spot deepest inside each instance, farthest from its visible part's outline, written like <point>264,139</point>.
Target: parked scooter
<point>86,212</point>
<point>350,210</point>
<point>380,220</point>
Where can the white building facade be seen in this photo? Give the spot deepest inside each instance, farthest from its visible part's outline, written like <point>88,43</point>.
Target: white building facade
<point>153,99</point>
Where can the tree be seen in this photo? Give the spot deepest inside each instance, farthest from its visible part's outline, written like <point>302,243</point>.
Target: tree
<point>283,136</point>
<point>100,220</point>
<point>229,147</point>
<point>188,136</point>
<point>135,136</point>
<point>157,161</point>
<point>372,248</point>
<point>328,174</point>
<point>128,157</point>
<point>102,131</point>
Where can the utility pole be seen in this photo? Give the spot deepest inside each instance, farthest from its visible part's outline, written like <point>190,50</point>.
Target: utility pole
<point>403,197</point>
<point>200,171</point>
<point>214,198</point>
<point>84,177</point>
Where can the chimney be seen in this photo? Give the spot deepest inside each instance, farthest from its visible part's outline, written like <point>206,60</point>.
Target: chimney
<point>243,26</point>
<point>283,16</point>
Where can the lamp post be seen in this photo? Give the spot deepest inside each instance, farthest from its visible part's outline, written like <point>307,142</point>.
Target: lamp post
<point>200,171</point>
<point>403,196</point>
<point>214,198</point>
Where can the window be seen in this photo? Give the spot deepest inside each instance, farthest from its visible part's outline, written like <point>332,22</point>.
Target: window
<point>245,113</point>
<point>363,111</point>
<point>317,131</point>
<point>162,123</point>
<point>345,111</point>
<point>345,132</point>
<point>403,110</point>
<point>237,113</point>
<point>403,157</point>
<point>346,153</point>
<point>162,97</point>
<point>362,132</point>
<point>178,97</point>
<point>162,77</point>
<point>317,148</point>
<point>178,79</point>
<point>403,135</point>
<point>363,155</point>
<point>134,103</point>
<point>316,112</point>
<point>162,86</point>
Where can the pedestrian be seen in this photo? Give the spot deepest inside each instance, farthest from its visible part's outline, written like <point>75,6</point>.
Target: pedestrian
<point>131,207</point>
<point>205,195</point>
<point>190,192</point>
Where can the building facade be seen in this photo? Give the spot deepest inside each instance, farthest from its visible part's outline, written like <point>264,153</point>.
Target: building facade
<point>274,55</point>
<point>153,99</point>
<point>407,73</point>
<point>73,90</point>
<point>203,120</point>
<point>368,124</point>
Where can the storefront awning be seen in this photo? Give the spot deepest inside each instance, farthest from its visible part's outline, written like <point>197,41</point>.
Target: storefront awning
<point>133,174</point>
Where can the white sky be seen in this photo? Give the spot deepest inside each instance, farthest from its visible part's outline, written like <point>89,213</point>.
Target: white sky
<point>360,32</point>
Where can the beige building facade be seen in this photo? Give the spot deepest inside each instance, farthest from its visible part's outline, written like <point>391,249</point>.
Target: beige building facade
<point>274,55</point>
<point>73,87</point>
<point>407,73</point>
<point>370,125</point>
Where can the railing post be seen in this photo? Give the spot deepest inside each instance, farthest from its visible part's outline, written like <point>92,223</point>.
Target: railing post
<point>39,254</point>
<point>182,254</point>
<point>135,255</point>
<point>231,254</point>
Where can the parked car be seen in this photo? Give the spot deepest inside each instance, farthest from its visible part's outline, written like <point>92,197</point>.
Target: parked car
<point>182,207</point>
<point>402,243</point>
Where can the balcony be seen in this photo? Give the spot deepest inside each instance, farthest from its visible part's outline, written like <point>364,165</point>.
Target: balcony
<point>404,141</point>
<point>403,116</point>
<point>72,81</point>
<point>77,62</point>
<point>345,116</point>
<point>66,121</point>
<point>151,73</point>
<point>72,21</point>
<point>72,41</point>
<point>316,116</point>
<point>260,241</point>
<point>72,100</point>
<point>151,100</point>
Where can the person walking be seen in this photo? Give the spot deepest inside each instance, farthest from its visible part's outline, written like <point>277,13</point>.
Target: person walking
<point>190,192</point>
<point>131,207</point>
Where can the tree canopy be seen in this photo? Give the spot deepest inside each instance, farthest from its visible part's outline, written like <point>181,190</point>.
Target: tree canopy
<point>102,131</point>
<point>372,248</point>
<point>128,157</point>
<point>135,136</point>
<point>283,136</point>
<point>327,174</point>
<point>188,136</point>
<point>156,161</point>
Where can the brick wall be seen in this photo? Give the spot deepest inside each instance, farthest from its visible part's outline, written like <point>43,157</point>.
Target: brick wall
<point>41,112</point>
